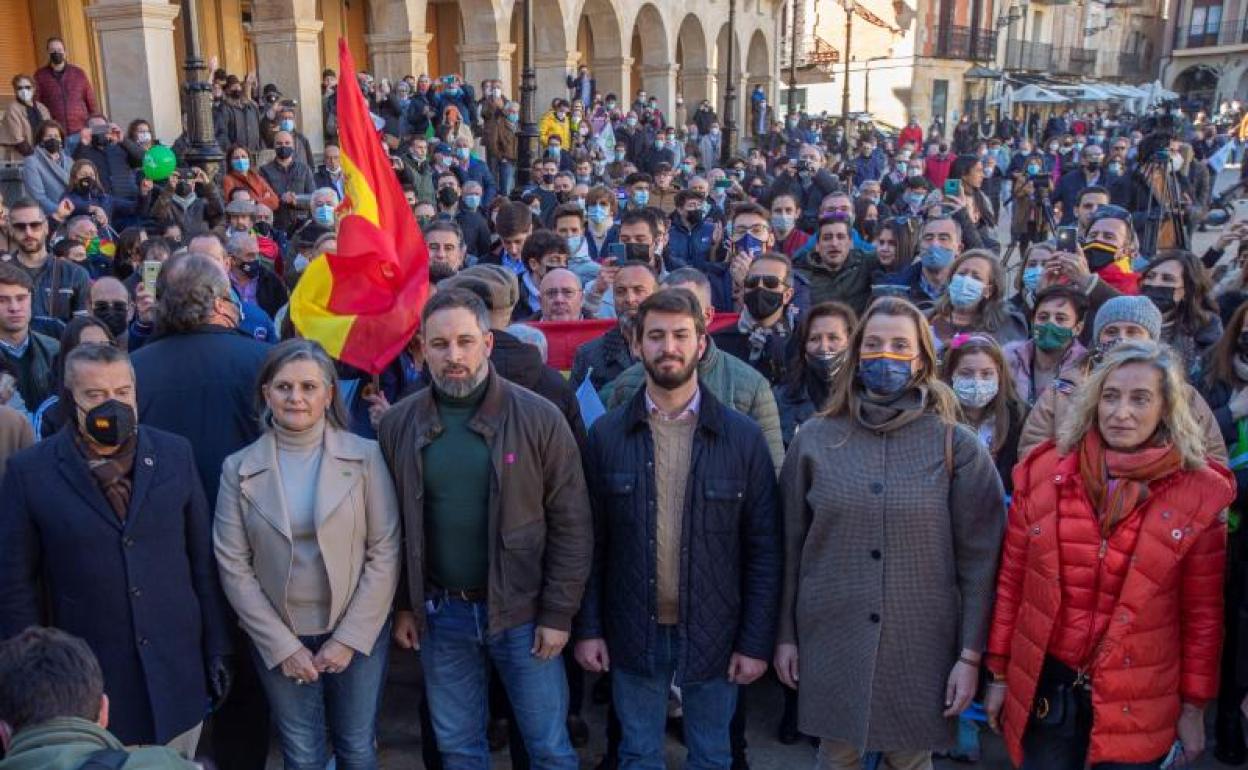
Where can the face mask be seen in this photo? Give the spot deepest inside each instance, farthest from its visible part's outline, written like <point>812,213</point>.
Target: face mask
<point>632,122</point>
<point>513,117</point>
<point>462,153</point>
<point>51,145</point>
<point>914,173</point>
<point>1053,148</point>
<point>1161,296</point>
<point>868,228</point>
<point>285,153</point>
<point>640,197</point>
<point>250,269</point>
<point>1092,164</point>
<point>57,58</point>
<point>114,317</point>
<point>748,244</point>
<point>110,423</point>
<point>714,131</point>
<point>1050,337</point>
<point>182,189</point>
<point>826,365</point>
<point>694,217</point>
<point>1099,255</point>
<point>554,151</point>
<point>143,137</point>
<point>241,165</point>
<point>263,228</point>
<point>84,186</point>
<point>324,215</point>
<point>1031,278</point>
<point>598,213</point>
<point>472,201</point>
<point>783,223</point>
<point>885,374</point>
<point>914,200</point>
<point>1115,169</point>
<point>288,125</point>
<point>762,303</point>
<point>965,291</point>
<point>658,144</point>
<point>25,94</point>
<point>575,242</point>
<point>447,196</point>
<point>536,209</point>
<point>1176,162</point>
<point>936,257</point>
<point>974,392</point>
<point>301,263</point>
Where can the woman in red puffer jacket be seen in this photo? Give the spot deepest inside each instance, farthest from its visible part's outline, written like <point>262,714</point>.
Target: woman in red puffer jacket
<point>1108,622</point>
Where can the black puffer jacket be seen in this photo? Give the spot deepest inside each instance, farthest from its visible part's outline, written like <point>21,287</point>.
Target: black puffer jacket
<point>602,360</point>
<point>731,558</point>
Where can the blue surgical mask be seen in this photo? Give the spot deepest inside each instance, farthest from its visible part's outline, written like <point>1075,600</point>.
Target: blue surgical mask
<point>884,375</point>
<point>301,263</point>
<point>288,125</point>
<point>1031,278</point>
<point>914,200</point>
<point>575,242</point>
<point>472,201</point>
<point>554,150</point>
<point>640,197</point>
<point>324,215</point>
<point>936,257</point>
<point>598,213</point>
<point>1033,169</point>
<point>462,153</point>
<point>965,291</point>
<point>241,165</point>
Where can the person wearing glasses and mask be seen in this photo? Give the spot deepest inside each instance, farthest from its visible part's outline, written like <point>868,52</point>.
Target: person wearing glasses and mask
<point>764,333</point>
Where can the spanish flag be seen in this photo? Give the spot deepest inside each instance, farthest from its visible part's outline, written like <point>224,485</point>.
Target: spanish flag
<point>363,303</point>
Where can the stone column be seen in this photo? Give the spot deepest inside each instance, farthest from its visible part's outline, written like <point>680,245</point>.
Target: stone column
<point>288,50</point>
<point>397,54</point>
<point>488,61</point>
<point>613,77</point>
<point>141,70</point>
<point>552,77</point>
<point>699,85</point>
<point>660,82</point>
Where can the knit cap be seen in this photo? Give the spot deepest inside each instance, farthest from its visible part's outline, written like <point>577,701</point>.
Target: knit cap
<point>1128,309</point>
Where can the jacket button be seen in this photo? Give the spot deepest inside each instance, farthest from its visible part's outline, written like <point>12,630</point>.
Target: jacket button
<point>1165,514</point>
<point>877,487</point>
<point>136,591</point>
<point>875,554</point>
<point>875,617</point>
<point>1035,530</point>
<point>143,641</point>
<point>128,542</point>
<point>1057,479</point>
<point>1126,709</point>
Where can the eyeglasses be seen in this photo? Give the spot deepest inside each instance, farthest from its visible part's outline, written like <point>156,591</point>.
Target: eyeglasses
<point>759,230</point>
<point>772,282</point>
<point>566,293</point>
<point>27,225</point>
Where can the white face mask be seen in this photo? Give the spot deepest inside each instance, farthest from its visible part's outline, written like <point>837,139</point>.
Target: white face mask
<point>1176,162</point>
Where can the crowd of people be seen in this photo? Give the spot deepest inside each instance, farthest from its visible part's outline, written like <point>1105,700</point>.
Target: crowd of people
<point>838,428</point>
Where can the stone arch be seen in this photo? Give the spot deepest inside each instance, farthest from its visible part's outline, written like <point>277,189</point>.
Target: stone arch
<point>652,49</point>
<point>553,55</point>
<point>695,78</point>
<point>484,47</point>
<point>758,65</point>
<point>1197,83</point>
<point>599,40</point>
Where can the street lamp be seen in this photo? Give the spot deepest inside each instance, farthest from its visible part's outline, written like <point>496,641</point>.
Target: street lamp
<point>793,58</point>
<point>202,151</point>
<point>528,110</point>
<point>848,5</point>
<point>729,148</point>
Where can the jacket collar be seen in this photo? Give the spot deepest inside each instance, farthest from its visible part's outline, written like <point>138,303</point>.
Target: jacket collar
<point>73,467</point>
<point>710,411</point>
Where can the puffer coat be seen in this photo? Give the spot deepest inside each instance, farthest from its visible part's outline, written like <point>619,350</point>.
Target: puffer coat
<point>1142,609</point>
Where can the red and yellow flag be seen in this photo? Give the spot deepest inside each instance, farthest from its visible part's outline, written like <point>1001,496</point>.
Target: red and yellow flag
<point>363,303</point>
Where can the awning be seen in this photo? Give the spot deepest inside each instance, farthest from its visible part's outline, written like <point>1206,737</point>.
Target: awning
<point>980,72</point>
<point>1034,94</point>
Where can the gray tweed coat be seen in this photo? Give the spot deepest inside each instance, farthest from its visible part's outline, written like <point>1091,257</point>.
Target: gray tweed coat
<point>890,560</point>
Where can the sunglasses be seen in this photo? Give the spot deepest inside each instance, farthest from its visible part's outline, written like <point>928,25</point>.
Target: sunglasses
<point>103,306</point>
<point>26,225</point>
<point>766,281</point>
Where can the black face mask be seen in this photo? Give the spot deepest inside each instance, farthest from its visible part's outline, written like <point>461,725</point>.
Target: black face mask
<point>84,186</point>
<point>182,189</point>
<point>114,316</point>
<point>762,303</point>
<point>1099,255</point>
<point>694,217</point>
<point>236,93</point>
<point>285,153</point>
<point>57,58</point>
<point>447,196</point>
<point>868,228</point>
<point>51,145</point>
<point>825,367</point>
<point>100,140</point>
<point>548,178</point>
<point>250,269</point>
<point>263,228</point>
<point>110,423</point>
<point>1161,296</point>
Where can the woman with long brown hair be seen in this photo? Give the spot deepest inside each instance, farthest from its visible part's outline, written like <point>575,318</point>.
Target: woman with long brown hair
<point>975,367</point>
<point>974,301</point>
<point>1178,285</point>
<point>890,620</point>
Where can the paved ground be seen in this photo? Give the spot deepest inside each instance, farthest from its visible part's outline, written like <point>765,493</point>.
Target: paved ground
<point>400,729</point>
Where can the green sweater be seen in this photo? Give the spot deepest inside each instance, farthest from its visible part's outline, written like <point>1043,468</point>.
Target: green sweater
<point>457,496</point>
<point>65,743</point>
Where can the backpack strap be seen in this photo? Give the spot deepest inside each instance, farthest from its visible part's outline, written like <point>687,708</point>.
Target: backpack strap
<point>106,759</point>
<point>949,450</point>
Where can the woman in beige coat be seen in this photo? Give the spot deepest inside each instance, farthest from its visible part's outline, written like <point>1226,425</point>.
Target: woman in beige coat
<point>307,539</point>
<point>20,121</point>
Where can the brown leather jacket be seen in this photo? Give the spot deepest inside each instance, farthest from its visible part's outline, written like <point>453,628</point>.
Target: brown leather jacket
<point>541,531</point>
<point>499,138</point>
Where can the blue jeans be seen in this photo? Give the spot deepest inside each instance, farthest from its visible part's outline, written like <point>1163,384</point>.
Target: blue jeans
<point>456,653</point>
<point>345,703</point>
<point>506,177</point>
<point>641,703</point>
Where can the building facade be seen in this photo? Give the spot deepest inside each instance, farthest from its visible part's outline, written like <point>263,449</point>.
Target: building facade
<point>133,49</point>
<point>1206,51</point>
<point>1082,40</point>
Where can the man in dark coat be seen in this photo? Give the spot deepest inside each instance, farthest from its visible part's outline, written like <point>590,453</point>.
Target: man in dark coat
<point>197,379</point>
<point>108,529</point>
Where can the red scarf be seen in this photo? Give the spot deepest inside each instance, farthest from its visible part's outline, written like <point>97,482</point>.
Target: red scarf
<point>1117,482</point>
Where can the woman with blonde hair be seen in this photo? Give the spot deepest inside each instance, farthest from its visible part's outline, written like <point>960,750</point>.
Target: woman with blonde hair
<point>307,542</point>
<point>893,518</point>
<point>975,301</point>
<point>1108,621</point>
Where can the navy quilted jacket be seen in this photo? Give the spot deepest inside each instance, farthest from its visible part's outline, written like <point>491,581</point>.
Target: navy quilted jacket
<point>731,554</point>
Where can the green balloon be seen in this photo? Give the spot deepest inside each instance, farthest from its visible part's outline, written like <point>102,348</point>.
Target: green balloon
<point>159,163</point>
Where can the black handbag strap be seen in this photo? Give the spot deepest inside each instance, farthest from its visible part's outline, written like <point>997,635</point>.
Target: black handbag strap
<point>106,759</point>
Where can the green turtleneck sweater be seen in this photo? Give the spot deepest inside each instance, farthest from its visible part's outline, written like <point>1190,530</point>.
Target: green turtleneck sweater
<point>457,496</point>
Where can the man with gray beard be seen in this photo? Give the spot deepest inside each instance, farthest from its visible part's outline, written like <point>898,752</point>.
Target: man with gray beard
<point>498,539</point>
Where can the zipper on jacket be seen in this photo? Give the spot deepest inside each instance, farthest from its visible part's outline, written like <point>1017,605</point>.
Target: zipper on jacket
<point>1089,657</point>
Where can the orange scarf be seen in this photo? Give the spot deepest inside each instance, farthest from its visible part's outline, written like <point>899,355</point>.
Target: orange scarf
<point>1117,482</point>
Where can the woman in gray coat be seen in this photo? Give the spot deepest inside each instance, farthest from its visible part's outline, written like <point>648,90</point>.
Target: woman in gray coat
<point>45,174</point>
<point>893,521</point>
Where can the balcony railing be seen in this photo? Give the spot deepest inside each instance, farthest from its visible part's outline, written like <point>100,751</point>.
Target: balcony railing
<point>953,42</point>
<point>1226,33</point>
<point>1074,61</point>
<point>1026,55</point>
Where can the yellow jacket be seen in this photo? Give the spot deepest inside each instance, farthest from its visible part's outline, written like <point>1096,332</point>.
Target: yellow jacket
<point>550,125</point>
